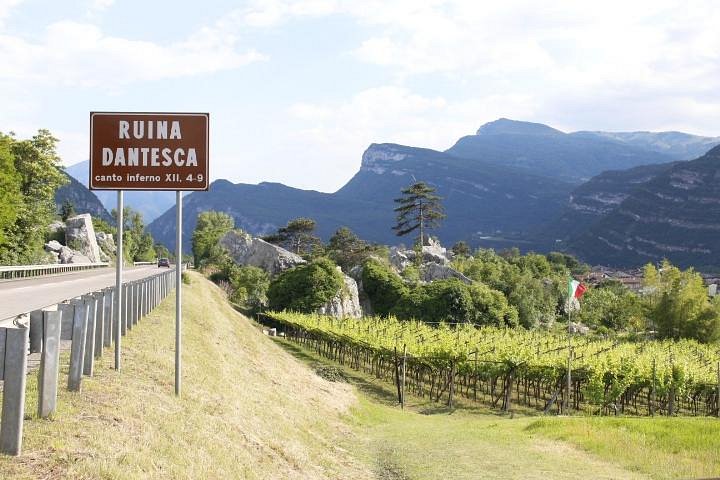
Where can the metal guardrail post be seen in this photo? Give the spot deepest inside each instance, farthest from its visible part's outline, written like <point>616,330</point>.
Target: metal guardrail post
<point>36,331</point>
<point>99,323</point>
<point>124,310</point>
<point>109,316</point>
<point>77,350</point>
<point>14,354</point>
<point>67,318</point>
<point>49,363</point>
<point>89,354</point>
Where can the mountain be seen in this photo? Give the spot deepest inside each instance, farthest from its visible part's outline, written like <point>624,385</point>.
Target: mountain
<point>482,199</point>
<point>595,199</point>
<point>542,150</point>
<point>150,204</point>
<point>679,145</point>
<point>82,199</point>
<point>675,215</point>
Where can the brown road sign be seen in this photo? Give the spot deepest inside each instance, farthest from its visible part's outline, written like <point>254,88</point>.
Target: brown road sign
<point>149,151</point>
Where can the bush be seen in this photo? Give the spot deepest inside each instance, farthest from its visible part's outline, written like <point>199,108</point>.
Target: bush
<point>453,301</point>
<point>249,286</point>
<point>305,288</point>
<point>383,286</point>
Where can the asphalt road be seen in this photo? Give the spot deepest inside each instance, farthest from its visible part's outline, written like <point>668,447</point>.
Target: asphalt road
<point>25,295</point>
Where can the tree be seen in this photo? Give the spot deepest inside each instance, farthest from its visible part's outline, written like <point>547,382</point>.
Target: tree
<point>38,175</point>
<point>382,286</point>
<point>305,288</point>
<point>10,198</point>
<point>138,245</point>
<point>347,249</point>
<point>461,249</point>
<point>679,304</point>
<point>419,209</point>
<point>298,236</point>
<point>67,210</point>
<point>210,228</point>
<point>249,285</point>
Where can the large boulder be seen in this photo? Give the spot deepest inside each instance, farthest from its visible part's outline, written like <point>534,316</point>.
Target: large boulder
<point>106,242</point>
<point>346,304</point>
<point>434,271</point>
<point>434,252</point>
<point>80,236</point>
<point>68,255</point>
<point>365,304</point>
<point>248,250</point>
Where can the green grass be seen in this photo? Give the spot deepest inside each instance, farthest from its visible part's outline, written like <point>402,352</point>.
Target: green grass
<point>663,447</point>
<point>430,441</point>
<point>248,409</point>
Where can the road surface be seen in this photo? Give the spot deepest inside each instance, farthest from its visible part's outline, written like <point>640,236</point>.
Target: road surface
<point>25,295</point>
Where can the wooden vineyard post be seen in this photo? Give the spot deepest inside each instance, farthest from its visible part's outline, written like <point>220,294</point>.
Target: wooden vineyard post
<point>475,382</point>
<point>718,389</point>
<point>651,407</point>
<point>404,365</point>
<point>397,377</point>
<point>452,384</point>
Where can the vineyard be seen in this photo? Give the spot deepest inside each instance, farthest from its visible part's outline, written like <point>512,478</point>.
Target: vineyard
<point>504,367</point>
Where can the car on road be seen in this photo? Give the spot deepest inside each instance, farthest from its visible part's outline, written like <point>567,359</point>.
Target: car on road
<point>163,262</point>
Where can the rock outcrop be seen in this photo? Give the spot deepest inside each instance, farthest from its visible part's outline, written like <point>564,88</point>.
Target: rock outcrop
<point>346,304</point>
<point>434,271</point>
<point>63,254</point>
<point>80,236</point>
<point>248,250</point>
<point>365,304</point>
<point>106,242</point>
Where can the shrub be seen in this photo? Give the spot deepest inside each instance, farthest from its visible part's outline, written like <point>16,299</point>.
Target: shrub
<point>383,286</point>
<point>305,288</point>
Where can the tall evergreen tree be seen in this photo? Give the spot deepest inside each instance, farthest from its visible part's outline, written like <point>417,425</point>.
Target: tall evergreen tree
<point>419,209</point>
<point>298,236</point>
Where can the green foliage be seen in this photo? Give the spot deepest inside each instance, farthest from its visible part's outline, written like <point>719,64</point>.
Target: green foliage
<point>382,286</point>
<point>453,301</point>
<point>347,249</point>
<point>249,285</point>
<point>298,236</point>
<point>161,251</point>
<point>606,307</point>
<point>101,225</point>
<point>306,287</point>
<point>67,210</point>
<point>461,249</point>
<point>418,209</point>
<point>29,177</point>
<point>564,261</point>
<point>531,283</point>
<point>138,245</point>
<point>10,198</point>
<point>185,278</point>
<point>210,228</point>
<point>679,304</point>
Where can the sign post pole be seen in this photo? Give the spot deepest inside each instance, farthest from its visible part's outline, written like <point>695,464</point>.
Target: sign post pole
<point>118,277</point>
<point>178,293</point>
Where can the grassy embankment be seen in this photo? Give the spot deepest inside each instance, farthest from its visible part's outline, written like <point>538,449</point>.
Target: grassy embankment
<point>248,409</point>
<point>251,410</point>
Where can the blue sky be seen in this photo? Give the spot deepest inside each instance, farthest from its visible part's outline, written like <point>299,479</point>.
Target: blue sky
<point>298,89</point>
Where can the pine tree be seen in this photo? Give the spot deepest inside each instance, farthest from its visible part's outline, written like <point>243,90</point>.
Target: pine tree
<point>419,209</point>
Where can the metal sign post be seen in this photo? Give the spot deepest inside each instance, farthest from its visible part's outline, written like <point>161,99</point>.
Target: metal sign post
<point>118,277</point>
<point>150,151</point>
<point>178,293</point>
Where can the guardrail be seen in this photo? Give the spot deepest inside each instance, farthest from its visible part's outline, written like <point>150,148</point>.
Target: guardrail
<point>89,323</point>
<point>24,271</point>
<point>144,263</point>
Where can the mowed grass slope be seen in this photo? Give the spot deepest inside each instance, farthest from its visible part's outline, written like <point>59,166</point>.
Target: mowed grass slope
<point>248,409</point>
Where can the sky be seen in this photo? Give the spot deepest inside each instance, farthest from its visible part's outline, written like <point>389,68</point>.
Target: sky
<point>297,90</point>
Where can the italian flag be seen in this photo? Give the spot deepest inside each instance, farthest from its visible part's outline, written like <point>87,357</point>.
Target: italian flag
<point>575,289</point>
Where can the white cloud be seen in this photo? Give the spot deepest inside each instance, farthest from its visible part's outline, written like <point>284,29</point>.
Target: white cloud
<point>80,54</point>
<point>329,138</point>
<point>5,7</point>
